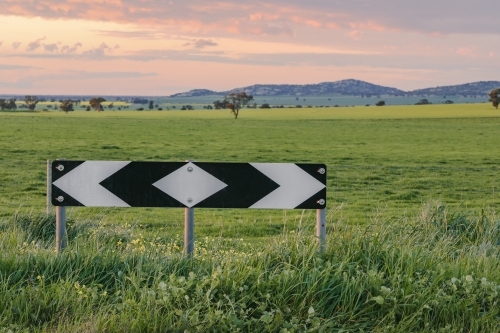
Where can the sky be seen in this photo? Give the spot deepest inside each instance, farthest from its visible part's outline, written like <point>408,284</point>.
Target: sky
<point>161,47</point>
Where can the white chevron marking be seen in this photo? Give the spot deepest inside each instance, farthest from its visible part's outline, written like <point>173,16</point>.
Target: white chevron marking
<point>82,183</point>
<point>296,185</point>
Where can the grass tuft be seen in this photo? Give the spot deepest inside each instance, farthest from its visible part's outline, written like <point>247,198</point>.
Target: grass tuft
<point>436,272</point>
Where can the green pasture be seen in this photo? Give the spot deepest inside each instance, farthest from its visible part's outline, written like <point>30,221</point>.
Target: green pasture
<point>384,162</point>
<point>413,229</point>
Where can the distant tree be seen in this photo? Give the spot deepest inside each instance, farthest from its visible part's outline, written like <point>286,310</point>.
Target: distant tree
<point>11,104</point>
<point>88,108</point>
<point>219,105</point>
<point>423,101</point>
<point>95,103</point>
<point>265,106</point>
<point>111,106</point>
<point>31,101</point>
<point>495,97</point>
<point>66,105</point>
<point>448,102</point>
<point>235,102</point>
<point>380,103</point>
<point>140,109</point>
<point>139,101</point>
<point>151,106</point>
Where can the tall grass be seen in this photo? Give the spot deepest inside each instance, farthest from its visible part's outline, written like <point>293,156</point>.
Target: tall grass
<point>436,272</point>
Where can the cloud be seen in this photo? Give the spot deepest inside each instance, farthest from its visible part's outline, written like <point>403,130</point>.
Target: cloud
<point>201,43</point>
<point>141,34</point>
<point>1,43</point>
<point>32,46</point>
<point>15,45</point>
<point>270,17</point>
<point>21,83</point>
<point>99,51</point>
<point>109,75</point>
<point>4,67</point>
<point>71,49</point>
<point>86,75</point>
<point>50,47</point>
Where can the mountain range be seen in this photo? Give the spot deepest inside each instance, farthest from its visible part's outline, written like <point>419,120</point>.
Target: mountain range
<point>350,87</point>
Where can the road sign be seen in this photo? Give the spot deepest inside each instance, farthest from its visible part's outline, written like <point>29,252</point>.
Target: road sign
<point>188,184</point>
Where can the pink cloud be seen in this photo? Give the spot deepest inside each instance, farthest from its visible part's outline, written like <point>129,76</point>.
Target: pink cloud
<point>201,43</point>
<point>50,47</point>
<point>70,49</point>
<point>33,46</point>
<point>469,52</point>
<point>201,16</point>
<point>99,51</point>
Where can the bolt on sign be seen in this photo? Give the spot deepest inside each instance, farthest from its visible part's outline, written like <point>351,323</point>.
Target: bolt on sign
<point>188,184</point>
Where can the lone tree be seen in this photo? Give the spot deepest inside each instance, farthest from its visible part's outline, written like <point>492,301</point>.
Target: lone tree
<point>31,101</point>
<point>95,103</point>
<point>8,104</point>
<point>66,105</point>
<point>495,98</point>
<point>380,103</point>
<point>235,102</point>
<point>151,105</point>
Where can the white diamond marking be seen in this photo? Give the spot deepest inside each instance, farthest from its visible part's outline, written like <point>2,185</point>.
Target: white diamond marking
<point>196,185</point>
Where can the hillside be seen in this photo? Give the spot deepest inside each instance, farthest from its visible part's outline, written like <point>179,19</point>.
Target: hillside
<point>345,87</point>
<point>481,88</point>
<point>350,87</point>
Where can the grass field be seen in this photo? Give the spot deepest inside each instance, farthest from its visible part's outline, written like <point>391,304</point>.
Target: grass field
<point>413,241</point>
<point>381,161</point>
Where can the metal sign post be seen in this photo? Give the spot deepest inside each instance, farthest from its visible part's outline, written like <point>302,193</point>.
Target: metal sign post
<point>188,232</point>
<point>189,184</point>
<point>189,223</point>
<point>61,236</point>
<point>321,228</point>
<point>60,228</point>
<point>49,186</point>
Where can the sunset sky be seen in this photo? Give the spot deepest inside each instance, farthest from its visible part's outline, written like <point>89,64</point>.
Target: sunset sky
<point>160,47</point>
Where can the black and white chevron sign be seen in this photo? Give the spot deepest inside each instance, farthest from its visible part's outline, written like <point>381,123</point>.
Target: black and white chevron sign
<point>188,184</point>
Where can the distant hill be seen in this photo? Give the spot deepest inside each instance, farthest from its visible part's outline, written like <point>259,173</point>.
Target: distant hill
<point>481,88</point>
<point>195,93</point>
<point>350,87</point>
<point>344,87</point>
